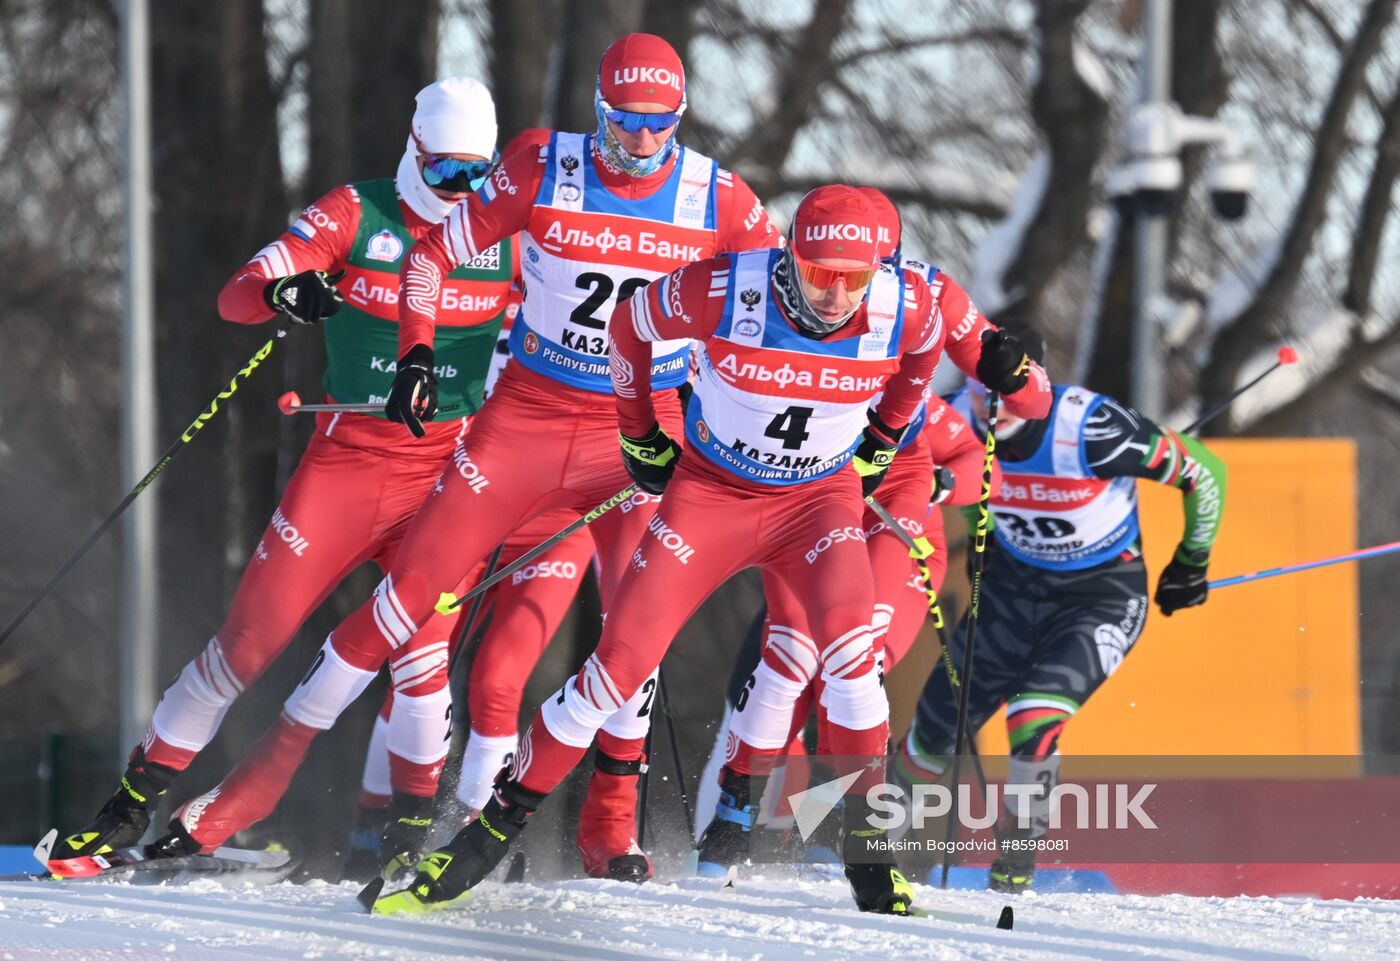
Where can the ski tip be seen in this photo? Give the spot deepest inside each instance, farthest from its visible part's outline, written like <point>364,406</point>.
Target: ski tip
<point>1007,919</point>
<point>515,874</point>
<point>731,878</point>
<point>44,848</point>
<point>370,893</point>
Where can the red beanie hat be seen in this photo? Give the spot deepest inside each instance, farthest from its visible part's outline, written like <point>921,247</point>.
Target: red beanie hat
<point>642,68</point>
<point>888,214</point>
<point>836,221</point>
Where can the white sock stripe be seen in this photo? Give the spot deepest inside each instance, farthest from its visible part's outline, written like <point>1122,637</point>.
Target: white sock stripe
<point>1028,703</point>
<point>787,661</point>
<point>419,672</point>
<point>216,671</point>
<point>411,656</point>
<point>843,640</point>
<point>796,635</point>
<point>595,666</point>
<point>398,605</point>
<point>394,628</point>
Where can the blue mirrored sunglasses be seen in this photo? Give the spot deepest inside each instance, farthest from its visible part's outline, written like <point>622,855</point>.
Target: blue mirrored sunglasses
<point>458,176</point>
<point>636,122</point>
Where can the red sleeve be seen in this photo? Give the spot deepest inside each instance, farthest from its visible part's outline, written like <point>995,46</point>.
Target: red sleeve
<point>743,223</point>
<point>500,208</point>
<point>320,239</point>
<point>679,305</point>
<point>920,350</point>
<point>953,444</point>
<point>966,325</point>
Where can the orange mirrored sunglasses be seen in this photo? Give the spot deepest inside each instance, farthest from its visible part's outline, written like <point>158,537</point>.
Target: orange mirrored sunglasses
<point>824,278</point>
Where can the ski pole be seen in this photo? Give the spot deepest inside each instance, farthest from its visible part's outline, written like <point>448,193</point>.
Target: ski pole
<point>918,549</point>
<point>1286,356</point>
<point>1362,554</point>
<point>290,403</point>
<point>665,705</point>
<point>188,435</point>
<point>978,561</point>
<point>446,604</point>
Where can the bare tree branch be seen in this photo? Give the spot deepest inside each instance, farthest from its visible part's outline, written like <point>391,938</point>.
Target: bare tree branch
<point>806,71</point>
<point>1323,21</point>
<point>1375,212</point>
<point>1249,329</point>
<point>897,44</point>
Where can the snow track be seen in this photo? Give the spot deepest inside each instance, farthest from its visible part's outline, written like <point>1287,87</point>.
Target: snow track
<point>207,921</point>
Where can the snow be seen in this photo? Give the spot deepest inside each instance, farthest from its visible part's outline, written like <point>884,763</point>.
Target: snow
<point>780,920</point>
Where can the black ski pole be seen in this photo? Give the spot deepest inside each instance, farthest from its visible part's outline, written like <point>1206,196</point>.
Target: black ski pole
<point>1286,356</point>
<point>188,435</point>
<point>665,704</point>
<point>974,603</point>
<point>488,582</point>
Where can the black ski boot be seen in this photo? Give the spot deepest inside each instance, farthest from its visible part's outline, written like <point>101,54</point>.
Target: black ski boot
<point>727,840</point>
<point>876,882</point>
<point>445,877</point>
<point>366,834</point>
<point>406,828</point>
<point>125,817</point>
<point>1014,870</point>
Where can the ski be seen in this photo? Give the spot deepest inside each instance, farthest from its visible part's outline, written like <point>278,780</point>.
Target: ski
<point>1006,921</point>
<point>143,857</point>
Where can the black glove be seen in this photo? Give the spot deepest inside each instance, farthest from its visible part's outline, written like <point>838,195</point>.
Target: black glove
<point>307,297</point>
<point>874,454</point>
<point>1004,365</point>
<point>1181,585</point>
<point>944,482</point>
<point>413,397</point>
<point>650,460</point>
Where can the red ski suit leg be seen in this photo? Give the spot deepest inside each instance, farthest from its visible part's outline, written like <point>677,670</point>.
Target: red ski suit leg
<point>710,525</point>
<point>776,708</point>
<point>348,501</point>
<point>525,610</point>
<point>504,471</point>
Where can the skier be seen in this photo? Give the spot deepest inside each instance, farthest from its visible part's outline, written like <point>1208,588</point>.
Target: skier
<point>793,343</point>
<point>939,460</point>
<point>358,483</point>
<point>1064,589</point>
<point>524,612</point>
<point>599,215</point>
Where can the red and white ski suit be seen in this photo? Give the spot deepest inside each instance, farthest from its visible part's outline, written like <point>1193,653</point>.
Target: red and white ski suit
<point>737,500</point>
<point>547,437</point>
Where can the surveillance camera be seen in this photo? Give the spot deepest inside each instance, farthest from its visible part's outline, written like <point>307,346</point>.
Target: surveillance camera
<point>1147,181</point>
<point>1231,180</point>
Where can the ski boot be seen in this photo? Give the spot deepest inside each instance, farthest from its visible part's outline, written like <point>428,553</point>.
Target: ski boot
<point>1011,876</point>
<point>446,877</point>
<point>607,824</point>
<point>1014,869</point>
<point>876,882</point>
<point>363,861</point>
<point>125,817</point>
<point>727,840</point>
<point>405,836</point>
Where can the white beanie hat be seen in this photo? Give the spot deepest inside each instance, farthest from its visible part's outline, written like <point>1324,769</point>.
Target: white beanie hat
<point>456,115</point>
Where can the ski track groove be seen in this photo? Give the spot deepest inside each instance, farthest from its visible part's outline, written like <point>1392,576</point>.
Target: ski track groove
<point>776,919</point>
